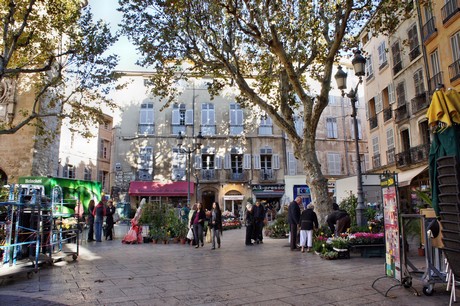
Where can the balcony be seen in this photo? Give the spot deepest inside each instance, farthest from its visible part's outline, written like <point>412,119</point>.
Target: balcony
<point>376,163</point>
<point>373,122</point>
<point>403,159</point>
<point>267,175</point>
<point>265,130</point>
<point>391,156</point>
<point>237,176</point>
<point>401,113</point>
<point>420,153</point>
<point>451,8</point>
<point>176,128</point>
<point>428,29</point>
<point>207,175</point>
<point>387,114</point>
<point>435,81</point>
<point>146,129</point>
<point>208,129</point>
<point>414,53</point>
<point>454,71</point>
<point>420,102</point>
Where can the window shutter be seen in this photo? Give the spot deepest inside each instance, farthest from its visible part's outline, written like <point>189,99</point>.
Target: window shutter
<point>218,162</point>
<point>189,117</point>
<point>276,161</point>
<point>247,161</point>
<point>292,164</point>
<point>257,162</point>
<point>378,103</point>
<point>175,116</point>
<point>197,161</point>
<point>227,161</point>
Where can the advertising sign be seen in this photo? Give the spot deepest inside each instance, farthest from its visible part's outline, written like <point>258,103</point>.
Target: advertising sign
<point>390,213</point>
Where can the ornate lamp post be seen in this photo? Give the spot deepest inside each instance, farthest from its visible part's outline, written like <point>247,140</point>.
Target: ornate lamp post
<point>189,151</point>
<point>359,63</point>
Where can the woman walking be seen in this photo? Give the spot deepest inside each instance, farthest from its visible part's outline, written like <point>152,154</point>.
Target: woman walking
<point>308,221</point>
<point>109,221</point>
<point>99,213</point>
<point>198,223</point>
<point>249,224</point>
<point>216,225</point>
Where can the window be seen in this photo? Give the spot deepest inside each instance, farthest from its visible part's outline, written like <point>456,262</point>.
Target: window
<point>236,119</point>
<point>181,117</point>
<point>378,103</point>
<point>360,132</point>
<point>435,66</point>
<point>146,125</point>
<point>455,42</point>
<point>207,161</point>
<point>414,45</point>
<point>103,178</point>
<point>178,163</point>
<point>375,145</point>
<point>418,83</point>
<point>382,55</point>
<point>265,125</point>
<point>331,126</point>
<point>88,174</point>
<point>104,149</point>
<point>390,139</point>
<point>298,123</point>
<point>69,171</point>
<point>208,119</point>
<point>391,93</point>
<point>401,93</point>
<point>334,164</point>
<point>397,60</point>
<point>145,163</point>
<point>292,164</point>
<point>369,68</point>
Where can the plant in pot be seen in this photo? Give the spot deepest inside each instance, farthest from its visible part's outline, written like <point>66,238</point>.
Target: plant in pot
<point>340,244</point>
<point>181,231</point>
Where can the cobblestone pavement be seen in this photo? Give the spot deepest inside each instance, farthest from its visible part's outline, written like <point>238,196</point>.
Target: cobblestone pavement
<point>111,273</point>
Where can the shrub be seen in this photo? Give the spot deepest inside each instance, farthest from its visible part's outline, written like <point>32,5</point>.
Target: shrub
<point>279,228</point>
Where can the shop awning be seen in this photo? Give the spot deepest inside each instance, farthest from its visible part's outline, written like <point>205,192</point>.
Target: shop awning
<point>405,177</point>
<point>159,189</point>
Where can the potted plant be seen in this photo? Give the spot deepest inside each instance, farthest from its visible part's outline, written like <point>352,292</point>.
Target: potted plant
<point>181,231</point>
<point>340,244</point>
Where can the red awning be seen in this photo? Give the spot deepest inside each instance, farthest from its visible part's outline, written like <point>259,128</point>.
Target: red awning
<point>158,189</point>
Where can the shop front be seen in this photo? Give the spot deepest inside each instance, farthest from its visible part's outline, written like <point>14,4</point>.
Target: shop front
<point>163,193</point>
<point>269,195</point>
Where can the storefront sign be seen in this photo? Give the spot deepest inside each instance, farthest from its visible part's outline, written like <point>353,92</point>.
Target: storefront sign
<point>268,188</point>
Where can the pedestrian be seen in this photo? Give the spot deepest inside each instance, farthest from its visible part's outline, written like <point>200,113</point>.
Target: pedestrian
<point>110,211</point>
<point>259,217</point>
<point>339,220</point>
<point>216,225</point>
<point>99,213</point>
<point>190,215</point>
<point>184,213</point>
<point>198,218</point>
<point>249,224</point>
<point>293,220</point>
<point>90,220</point>
<point>308,222</point>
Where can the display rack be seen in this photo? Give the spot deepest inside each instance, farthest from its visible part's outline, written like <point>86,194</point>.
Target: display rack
<point>33,233</point>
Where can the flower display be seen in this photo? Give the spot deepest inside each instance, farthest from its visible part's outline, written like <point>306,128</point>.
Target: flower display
<point>366,238</point>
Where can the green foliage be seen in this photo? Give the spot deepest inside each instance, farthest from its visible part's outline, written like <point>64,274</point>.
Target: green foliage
<point>279,228</point>
<point>425,197</point>
<point>349,205</point>
<point>55,52</point>
<point>340,243</point>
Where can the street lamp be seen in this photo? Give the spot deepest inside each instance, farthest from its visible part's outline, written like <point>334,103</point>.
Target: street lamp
<point>189,150</point>
<point>359,63</point>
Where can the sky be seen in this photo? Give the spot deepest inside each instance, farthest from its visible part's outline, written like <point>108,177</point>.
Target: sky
<point>107,11</point>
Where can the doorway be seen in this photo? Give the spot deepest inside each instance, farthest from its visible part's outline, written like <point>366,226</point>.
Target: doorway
<point>207,198</point>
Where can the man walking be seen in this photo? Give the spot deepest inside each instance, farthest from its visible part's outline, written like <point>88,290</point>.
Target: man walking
<point>259,216</point>
<point>293,220</point>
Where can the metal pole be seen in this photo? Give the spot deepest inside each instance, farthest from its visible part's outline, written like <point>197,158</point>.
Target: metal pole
<point>188,177</point>
<point>360,205</point>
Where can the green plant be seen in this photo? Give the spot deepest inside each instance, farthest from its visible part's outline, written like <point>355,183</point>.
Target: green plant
<point>424,196</point>
<point>279,228</point>
<point>340,243</point>
<point>330,255</point>
<point>181,230</point>
<point>349,205</point>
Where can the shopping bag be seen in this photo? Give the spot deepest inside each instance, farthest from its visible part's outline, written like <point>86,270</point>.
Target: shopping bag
<point>190,234</point>
<point>208,236</point>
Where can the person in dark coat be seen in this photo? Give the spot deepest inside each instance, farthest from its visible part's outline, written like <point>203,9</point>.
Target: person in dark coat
<point>216,224</point>
<point>90,220</point>
<point>197,222</point>
<point>293,220</point>
<point>339,220</point>
<point>110,210</point>
<point>99,213</point>
<point>308,222</point>
<point>259,216</point>
<point>249,224</point>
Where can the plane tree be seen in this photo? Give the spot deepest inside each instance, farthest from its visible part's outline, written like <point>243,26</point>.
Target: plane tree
<point>268,49</point>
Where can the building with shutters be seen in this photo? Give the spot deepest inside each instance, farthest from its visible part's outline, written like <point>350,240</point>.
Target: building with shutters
<point>243,155</point>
